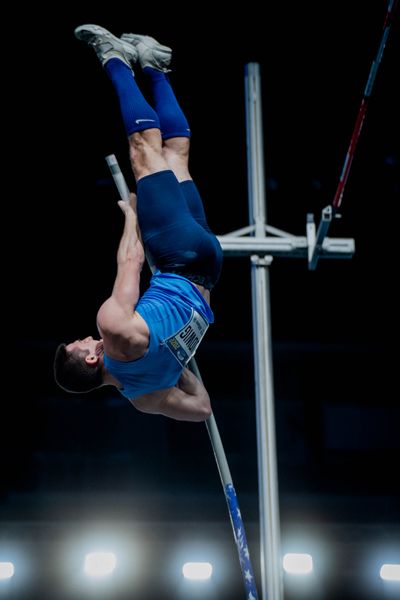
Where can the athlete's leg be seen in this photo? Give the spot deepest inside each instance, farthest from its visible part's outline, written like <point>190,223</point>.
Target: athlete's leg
<point>204,265</point>
<point>175,240</point>
<point>174,126</point>
<point>184,246</point>
<point>140,120</point>
<point>161,203</point>
<point>155,59</point>
<point>175,133</point>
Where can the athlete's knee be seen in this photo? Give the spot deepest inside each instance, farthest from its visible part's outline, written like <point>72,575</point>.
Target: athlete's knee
<point>145,152</point>
<point>177,146</point>
<point>176,154</point>
<point>145,143</point>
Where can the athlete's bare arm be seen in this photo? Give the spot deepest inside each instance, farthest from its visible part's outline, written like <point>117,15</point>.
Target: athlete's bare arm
<point>124,332</point>
<point>188,401</point>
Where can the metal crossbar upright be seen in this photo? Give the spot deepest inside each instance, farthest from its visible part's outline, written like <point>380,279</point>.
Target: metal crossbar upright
<point>261,243</point>
<point>270,554</point>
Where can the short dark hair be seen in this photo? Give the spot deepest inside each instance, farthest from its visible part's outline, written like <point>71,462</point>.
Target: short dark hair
<point>73,374</point>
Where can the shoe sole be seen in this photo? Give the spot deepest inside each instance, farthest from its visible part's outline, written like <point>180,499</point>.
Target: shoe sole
<point>87,32</point>
<point>83,32</point>
<point>149,42</point>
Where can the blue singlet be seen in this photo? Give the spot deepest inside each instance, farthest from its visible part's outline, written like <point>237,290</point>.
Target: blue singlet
<point>177,316</point>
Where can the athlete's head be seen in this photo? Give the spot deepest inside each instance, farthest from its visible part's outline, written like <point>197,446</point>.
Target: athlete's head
<point>78,366</point>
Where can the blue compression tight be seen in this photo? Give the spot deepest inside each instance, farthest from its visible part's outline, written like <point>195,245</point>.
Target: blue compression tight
<point>174,228</point>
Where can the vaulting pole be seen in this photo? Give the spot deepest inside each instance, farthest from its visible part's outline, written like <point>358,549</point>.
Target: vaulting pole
<point>232,501</point>
<point>216,442</point>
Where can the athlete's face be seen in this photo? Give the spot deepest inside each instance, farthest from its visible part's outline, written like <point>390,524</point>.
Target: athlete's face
<point>94,347</point>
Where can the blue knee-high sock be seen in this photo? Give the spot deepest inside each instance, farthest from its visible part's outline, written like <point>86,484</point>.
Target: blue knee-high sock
<point>172,120</point>
<point>137,114</point>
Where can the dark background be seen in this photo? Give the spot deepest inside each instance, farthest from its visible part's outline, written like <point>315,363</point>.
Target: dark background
<point>74,466</point>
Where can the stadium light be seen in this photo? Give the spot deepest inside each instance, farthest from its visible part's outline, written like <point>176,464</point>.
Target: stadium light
<point>198,571</point>
<point>99,564</point>
<point>390,572</point>
<point>6,570</point>
<point>298,564</point>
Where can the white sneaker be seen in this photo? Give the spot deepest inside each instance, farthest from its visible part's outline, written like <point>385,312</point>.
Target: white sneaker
<point>151,53</point>
<point>106,45</point>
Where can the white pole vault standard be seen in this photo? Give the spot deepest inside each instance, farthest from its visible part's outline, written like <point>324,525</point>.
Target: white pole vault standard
<point>216,442</point>
<point>252,241</point>
<point>270,544</point>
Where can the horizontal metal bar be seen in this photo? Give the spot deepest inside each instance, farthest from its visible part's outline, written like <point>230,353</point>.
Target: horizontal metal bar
<point>292,247</point>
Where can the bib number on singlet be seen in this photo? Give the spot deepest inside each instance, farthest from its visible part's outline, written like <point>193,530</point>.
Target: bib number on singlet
<point>184,343</point>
